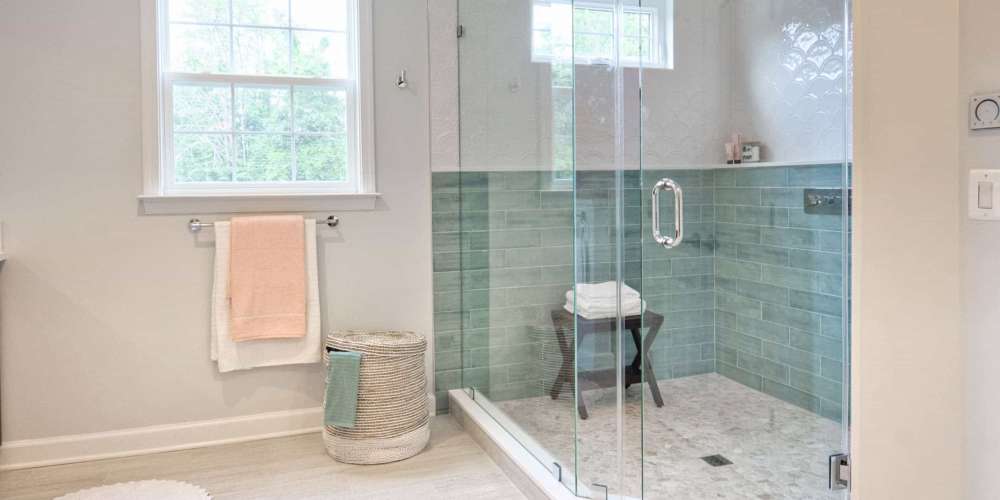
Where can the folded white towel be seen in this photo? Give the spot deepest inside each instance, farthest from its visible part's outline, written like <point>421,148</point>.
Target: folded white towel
<point>630,307</point>
<point>601,293</point>
<point>258,353</point>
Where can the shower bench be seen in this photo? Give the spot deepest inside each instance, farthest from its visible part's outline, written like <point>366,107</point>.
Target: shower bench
<point>562,321</point>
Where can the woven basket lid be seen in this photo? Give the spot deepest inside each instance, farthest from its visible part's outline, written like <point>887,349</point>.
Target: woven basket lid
<point>383,343</point>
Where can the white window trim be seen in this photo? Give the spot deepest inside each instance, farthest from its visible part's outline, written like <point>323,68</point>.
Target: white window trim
<point>156,199</point>
<point>662,35</point>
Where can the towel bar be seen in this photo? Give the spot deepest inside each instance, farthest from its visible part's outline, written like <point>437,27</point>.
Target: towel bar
<point>195,225</point>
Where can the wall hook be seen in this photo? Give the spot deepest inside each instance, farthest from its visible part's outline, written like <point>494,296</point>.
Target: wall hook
<point>401,80</point>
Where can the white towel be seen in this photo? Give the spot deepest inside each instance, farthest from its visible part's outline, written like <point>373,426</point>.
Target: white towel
<point>232,355</point>
<point>600,300</point>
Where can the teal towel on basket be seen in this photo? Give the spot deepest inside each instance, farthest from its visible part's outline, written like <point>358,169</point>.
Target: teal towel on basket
<point>342,389</point>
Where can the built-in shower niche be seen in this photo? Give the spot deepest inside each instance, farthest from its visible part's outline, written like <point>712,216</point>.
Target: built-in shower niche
<point>753,293</point>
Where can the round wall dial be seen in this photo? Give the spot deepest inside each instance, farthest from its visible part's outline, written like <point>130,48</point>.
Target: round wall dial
<point>984,112</point>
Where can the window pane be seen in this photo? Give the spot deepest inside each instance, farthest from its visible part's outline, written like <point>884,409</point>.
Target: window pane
<point>541,42</point>
<point>321,158</point>
<point>201,107</point>
<point>320,110</point>
<point>202,158</point>
<point>199,49</point>
<point>594,46</point>
<point>259,51</point>
<point>201,11</point>
<point>260,12</point>
<point>263,158</point>
<point>320,14</point>
<point>594,21</point>
<point>320,54</point>
<point>262,109</point>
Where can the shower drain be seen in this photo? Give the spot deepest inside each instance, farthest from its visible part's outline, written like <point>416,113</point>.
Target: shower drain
<point>716,460</point>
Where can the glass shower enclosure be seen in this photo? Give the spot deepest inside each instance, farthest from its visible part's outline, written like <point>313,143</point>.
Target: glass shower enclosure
<point>642,257</point>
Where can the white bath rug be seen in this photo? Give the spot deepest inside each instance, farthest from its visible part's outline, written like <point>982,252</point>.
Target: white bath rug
<point>141,490</point>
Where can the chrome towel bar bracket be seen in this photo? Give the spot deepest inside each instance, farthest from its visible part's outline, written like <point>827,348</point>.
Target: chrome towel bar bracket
<point>195,225</point>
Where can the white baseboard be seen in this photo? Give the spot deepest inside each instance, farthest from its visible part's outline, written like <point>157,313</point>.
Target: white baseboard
<point>158,438</point>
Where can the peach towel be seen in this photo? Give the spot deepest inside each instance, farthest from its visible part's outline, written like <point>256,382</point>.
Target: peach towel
<point>267,278</point>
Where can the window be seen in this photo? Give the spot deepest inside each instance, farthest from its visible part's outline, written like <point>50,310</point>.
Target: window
<point>262,97</point>
<point>644,33</point>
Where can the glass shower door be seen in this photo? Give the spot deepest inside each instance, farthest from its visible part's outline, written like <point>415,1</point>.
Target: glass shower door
<point>748,118</point>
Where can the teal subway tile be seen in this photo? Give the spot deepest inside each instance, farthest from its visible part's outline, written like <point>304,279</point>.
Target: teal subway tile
<point>448,321</point>
<point>450,301</point>
<point>448,360</point>
<point>512,200</point>
<point>699,196</point>
<point>692,266</point>
<point>763,254</point>
<point>476,338</point>
<point>764,216</point>
<point>833,370</point>
<point>446,242</point>
<point>557,199</point>
<point>789,278</point>
<point>792,395</point>
<point>525,180</point>
<point>816,176</point>
<point>680,354</point>
<point>708,351</point>
<point>447,341</point>
<point>832,326</point>
<point>444,181</point>
<point>830,263</point>
<point>533,257</point>
<point>502,239</point>
<point>527,219</point>
<point>738,341</point>
<point>795,318</point>
<point>445,222</point>
<point>830,284</point>
<point>791,356</point>
<point>740,233</point>
<point>744,377</point>
<point>788,237</point>
<point>473,280</point>
<point>514,277</point>
<point>737,196</point>
<point>738,305</point>
<point>828,347</point>
<point>782,197</point>
<point>446,380</point>
<point>727,250</point>
<point>831,410</point>
<point>762,329</point>
<point>445,202</point>
<point>557,237</point>
<point>547,294</point>
<point>551,275</point>
<point>685,336</point>
<point>798,218</point>
<point>449,281</point>
<point>690,318</point>
<point>816,385</point>
<point>763,292</point>
<point>737,269</point>
<point>824,304</point>
<point>476,181</point>
<point>763,367</point>
<point>689,368</point>
<point>726,354</point>
<point>831,241</point>
<point>690,300</point>
<point>655,268</point>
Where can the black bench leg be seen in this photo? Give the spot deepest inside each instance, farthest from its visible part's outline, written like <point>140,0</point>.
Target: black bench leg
<point>654,386</point>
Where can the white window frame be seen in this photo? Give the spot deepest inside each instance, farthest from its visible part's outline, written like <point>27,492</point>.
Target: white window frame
<point>661,34</point>
<point>162,196</point>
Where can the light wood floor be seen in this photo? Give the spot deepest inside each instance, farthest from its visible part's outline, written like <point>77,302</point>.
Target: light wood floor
<point>452,467</point>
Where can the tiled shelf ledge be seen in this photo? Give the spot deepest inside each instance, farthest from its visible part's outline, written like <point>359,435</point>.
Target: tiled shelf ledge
<point>225,204</point>
<point>702,166</point>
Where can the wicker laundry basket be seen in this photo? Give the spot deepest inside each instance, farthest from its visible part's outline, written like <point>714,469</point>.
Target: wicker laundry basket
<point>393,422</point>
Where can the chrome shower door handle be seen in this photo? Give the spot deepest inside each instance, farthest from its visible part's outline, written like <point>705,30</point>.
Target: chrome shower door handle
<point>664,185</point>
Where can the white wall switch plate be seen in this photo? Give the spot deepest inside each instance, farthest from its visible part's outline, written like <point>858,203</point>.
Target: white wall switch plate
<point>984,194</point>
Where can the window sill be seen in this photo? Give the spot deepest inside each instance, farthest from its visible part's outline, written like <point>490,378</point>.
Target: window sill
<point>254,203</point>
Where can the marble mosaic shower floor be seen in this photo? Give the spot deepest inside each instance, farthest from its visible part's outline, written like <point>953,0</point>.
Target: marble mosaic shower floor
<point>778,451</point>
